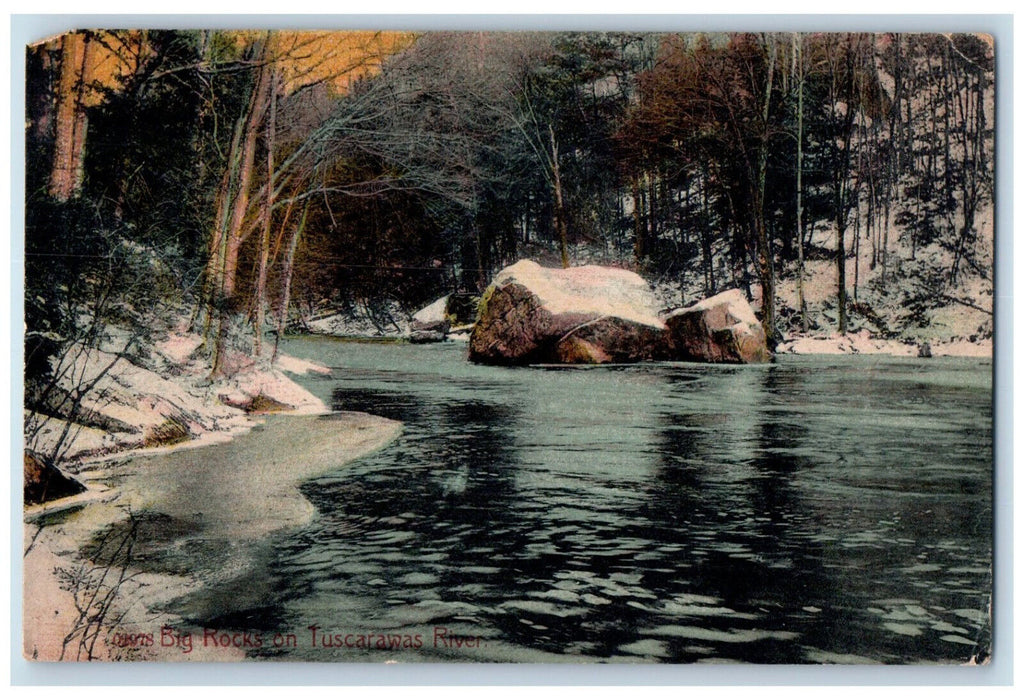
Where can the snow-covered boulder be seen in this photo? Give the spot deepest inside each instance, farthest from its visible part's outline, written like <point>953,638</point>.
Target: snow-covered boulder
<point>722,328</point>
<point>449,314</point>
<point>430,324</point>
<point>432,317</point>
<point>267,390</point>
<point>581,315</point>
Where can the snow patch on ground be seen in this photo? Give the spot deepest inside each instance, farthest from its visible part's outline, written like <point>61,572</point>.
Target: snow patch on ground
<point>295,365</point>
<point>387,321</point>
<point>178,348</point>
<point>863,343</point>
<point>963,348</point>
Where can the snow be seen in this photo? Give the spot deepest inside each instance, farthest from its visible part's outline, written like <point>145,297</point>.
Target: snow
<point>244,484</point>
<point>733,299</point>
<point>860,343</point>
<point>433,313</point>
<point>127,404</point>
<point>295,365</point>
<point>390,321</point>
<point>177,348</point>
<point>963,348</point>
<point>863,343</point>
<point>273,384</point>
<point>589,289</point>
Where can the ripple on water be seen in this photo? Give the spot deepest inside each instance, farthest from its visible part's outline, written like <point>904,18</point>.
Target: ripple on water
<point>387,537</point>
<point>675,609</point>
<point>557,594</point>
<point>541,607</point>
<point>954,639</point>
<point>418,579</point>
<point>355,568</point>
<point>903,628</point>
<point>941,626</point>
<point>731,636</point>
<point>977,616</point>
<point>646,647</point>
<point>820,656</point>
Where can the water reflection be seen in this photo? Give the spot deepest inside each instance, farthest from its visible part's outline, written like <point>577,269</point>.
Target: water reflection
<point>659,512</point>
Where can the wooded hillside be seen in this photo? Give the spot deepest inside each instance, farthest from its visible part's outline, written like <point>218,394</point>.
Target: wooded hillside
<point>843,181</point>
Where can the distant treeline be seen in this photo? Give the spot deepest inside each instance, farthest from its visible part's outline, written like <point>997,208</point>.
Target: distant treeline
<point>241,173</point>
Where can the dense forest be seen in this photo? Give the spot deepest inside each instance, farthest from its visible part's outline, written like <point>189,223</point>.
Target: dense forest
<point>249,180</point>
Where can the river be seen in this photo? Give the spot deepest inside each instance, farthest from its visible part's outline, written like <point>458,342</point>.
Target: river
<point>825,509</point>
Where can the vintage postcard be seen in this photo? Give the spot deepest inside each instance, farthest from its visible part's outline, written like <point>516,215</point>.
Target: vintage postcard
<point>509,346</point>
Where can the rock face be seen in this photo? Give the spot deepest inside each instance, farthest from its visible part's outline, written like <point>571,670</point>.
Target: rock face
<point>581,315</point>
<point>722,328</point>
<point>45,482</point>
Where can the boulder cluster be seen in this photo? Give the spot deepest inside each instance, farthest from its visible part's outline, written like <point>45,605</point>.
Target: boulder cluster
<point>595,315</point>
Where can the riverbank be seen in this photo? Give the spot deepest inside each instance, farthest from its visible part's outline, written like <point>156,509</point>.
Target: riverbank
<point>859,343</point>
<point>159,396</point>
<point>91,588</point>
<point>191,517</point>
<point>863,343</point>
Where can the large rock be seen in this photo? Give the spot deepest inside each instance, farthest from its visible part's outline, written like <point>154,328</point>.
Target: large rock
<point>722,328</point>
<point>590,314</point>
<point>426,336</point>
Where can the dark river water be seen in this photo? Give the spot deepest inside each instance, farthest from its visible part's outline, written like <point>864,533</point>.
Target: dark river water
<point>815,510</point>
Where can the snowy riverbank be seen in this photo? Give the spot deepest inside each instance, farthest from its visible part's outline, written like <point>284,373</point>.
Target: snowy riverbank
<point>85,598</point>
<point>161,397</point>
<point>863,343</point>
<point>192,517</point>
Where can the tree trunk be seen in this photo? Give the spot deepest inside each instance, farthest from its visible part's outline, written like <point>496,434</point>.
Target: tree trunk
<point>260,295</point>
<point>287,266</point>
<point>560,222</point>
<point>765,264</point>
<point>798,62</point>
<point>844,90</point>
<point>69,143</point>
<point>233,236</point>
<point>652,207</point>
<point>706,242</point>
<point>638,229</point>
<point>856,251</point>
